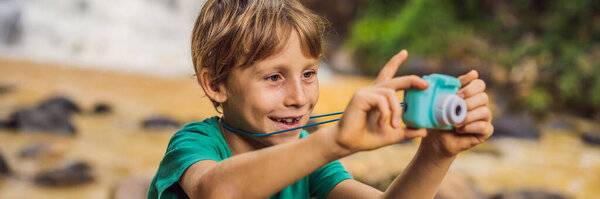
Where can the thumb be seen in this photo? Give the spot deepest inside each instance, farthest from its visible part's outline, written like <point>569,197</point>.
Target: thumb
<point>410,133</point>
<point>406,134</point>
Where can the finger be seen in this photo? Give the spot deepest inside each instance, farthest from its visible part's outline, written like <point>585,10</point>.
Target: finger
<point>382,105</point>
<point>488,131</point>
<point>395,136</point>
<point>480,99</point>
<point>471,89</point>
<point>406,82</point>
<point>478,128</point>
<point>394,105</point>
<point>483,135</point>
<point>482,113</point>
<point>389,69</point>
<point>411,133</point>
<point>466,78</point>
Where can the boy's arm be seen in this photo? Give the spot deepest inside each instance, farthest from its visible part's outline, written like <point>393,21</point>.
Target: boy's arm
<point>420,179</point>
<point>262,173</point>
<point>437,151</point>
<point>423,175</point>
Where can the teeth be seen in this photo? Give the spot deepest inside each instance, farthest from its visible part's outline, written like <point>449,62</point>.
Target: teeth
<point>287,120</point>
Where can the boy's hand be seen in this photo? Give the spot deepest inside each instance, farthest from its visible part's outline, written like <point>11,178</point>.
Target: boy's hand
<point>364,125</point>
<point>477,126</point>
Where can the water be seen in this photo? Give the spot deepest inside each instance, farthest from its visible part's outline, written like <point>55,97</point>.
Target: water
<point>148,36</point>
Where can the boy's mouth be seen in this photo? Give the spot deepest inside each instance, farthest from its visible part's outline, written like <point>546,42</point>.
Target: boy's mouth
<point>287,122</point>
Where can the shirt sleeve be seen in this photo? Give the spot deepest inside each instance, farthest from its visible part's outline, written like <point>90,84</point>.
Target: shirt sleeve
<point>322,181</point>
<point>185,148</point>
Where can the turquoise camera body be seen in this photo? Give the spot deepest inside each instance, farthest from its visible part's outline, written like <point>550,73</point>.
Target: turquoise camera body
<point>437,107</point>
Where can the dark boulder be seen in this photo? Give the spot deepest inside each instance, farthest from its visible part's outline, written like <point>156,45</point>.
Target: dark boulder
<point>5,125</point>
<point>52,115</point>
<point>59,104</point>
<point>159,123</point>
<point>39,120</point>
<point>73,174</point>
<point>529,194</point>
<point>4,169</point>
<point>6,88</point>
<point>517,125</point>
<point>591,138</point>
<point>101,108</point>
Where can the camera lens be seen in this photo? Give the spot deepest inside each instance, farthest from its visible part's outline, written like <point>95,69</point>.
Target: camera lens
<point>448,110</point>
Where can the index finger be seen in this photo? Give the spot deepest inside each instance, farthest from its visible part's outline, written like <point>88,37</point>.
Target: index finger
<point>406,82</point>
<point>389,69</point>
<point>466,78</point>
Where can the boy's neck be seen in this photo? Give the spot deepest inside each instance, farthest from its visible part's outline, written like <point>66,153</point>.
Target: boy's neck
<point>238,143</point>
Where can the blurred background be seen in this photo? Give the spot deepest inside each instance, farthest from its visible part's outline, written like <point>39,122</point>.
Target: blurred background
<point>92,90</point>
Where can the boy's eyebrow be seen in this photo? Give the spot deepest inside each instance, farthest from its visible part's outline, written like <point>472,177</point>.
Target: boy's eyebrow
<point>260,69</point>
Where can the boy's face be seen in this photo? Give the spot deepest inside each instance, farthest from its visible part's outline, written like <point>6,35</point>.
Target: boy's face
<point>274,94</point>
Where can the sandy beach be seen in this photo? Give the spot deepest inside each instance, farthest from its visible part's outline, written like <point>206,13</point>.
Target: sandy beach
<point>117,148</point>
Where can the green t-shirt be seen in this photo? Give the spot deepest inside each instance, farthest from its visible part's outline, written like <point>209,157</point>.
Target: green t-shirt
<point>203,141</point>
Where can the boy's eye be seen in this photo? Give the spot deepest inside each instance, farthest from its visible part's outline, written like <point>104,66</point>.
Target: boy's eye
<point>274,78</point>
<point>308,74</point>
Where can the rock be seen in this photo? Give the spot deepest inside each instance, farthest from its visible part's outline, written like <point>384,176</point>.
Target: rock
<point>4,169</point>
<point>52,115</point>
<point>6,88</point>
<point>159,122</point>
<point>39,120</point>
<point>458,186</point>
<point>73,174</point>
<point>591,138</point>
<point>59,104</point>
<point>4,125</point>
<point>132,188</point>
<point>518,125</point>
<point>101,108</point>
<point>33,150</point>
<point>529,194</point>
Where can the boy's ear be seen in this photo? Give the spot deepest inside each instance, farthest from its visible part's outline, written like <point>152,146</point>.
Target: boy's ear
<point>215,91</point>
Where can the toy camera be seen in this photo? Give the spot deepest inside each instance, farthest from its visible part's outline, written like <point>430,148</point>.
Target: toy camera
<point>437,107</point>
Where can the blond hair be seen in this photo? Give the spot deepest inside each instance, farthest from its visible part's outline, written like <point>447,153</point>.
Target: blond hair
<point>238,33</point>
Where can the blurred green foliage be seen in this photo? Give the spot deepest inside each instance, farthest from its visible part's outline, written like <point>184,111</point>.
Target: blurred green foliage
<point>562,36</point>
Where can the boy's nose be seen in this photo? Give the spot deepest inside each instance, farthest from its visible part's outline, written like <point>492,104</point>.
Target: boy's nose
<point>295,95</point>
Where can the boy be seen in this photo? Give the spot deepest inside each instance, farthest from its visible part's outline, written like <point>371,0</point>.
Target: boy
<point>257,62</point>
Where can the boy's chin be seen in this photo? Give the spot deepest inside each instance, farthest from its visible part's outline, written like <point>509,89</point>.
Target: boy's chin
<point>284,137</point>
